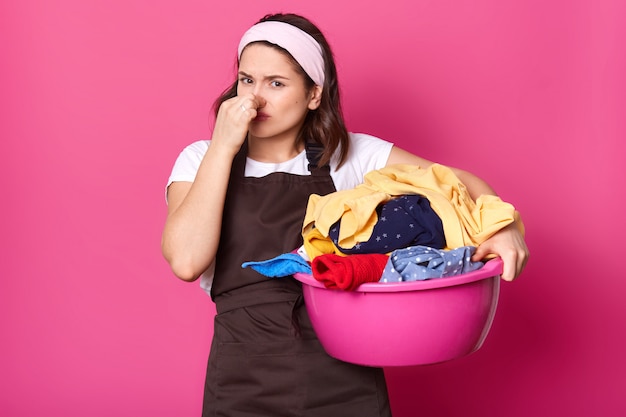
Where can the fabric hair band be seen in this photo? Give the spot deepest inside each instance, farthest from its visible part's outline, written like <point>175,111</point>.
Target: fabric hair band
<point>302,47</point>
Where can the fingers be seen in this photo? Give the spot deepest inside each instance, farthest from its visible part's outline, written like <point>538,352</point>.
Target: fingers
<point>249,104</point>
<point>240,109</point>
<point>481,252</point>
<point>233,120</point>
<point>509,245</point>
<point>514,264</point>
<point>514,260</point>
<point>509,269</point>
<point>522,260</point>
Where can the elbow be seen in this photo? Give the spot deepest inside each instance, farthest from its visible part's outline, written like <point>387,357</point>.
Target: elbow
<point>182,267</point>
<point>184,272</point>
<point>185,265</point>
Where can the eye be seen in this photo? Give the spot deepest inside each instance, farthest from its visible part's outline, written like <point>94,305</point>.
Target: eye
<point>276,84</point>
<point>245,80</point>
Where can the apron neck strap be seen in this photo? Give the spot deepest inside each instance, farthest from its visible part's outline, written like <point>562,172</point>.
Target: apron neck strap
<point>313,153</point>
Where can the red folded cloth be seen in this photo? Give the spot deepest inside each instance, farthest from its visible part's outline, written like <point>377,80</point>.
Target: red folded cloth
<point>348,272</point>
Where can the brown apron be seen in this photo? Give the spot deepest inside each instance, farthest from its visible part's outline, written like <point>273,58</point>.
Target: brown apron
<point>265,359</point>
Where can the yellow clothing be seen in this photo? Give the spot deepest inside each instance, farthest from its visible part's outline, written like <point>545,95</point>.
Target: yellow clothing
<point>315,244</point>
<point>465,222</point>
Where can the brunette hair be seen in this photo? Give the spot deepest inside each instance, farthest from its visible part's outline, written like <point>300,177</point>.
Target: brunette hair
<point>324,125</point>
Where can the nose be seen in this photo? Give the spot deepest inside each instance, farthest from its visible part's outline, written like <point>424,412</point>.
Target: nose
<point>260,97</point>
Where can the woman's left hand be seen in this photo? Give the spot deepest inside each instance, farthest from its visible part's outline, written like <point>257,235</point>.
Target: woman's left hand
<point>509,245</point>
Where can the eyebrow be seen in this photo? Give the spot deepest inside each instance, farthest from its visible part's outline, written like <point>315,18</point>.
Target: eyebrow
<point>267,77</point>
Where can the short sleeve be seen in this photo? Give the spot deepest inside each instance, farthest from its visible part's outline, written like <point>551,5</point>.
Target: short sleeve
<point>187,163</point>
<point>371,152</point>
<point>366,153</point>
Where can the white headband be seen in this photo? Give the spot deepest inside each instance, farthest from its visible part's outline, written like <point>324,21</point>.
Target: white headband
<point>302,47</point>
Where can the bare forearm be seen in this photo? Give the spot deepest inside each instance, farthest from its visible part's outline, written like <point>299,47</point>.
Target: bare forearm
<point>192,229</point>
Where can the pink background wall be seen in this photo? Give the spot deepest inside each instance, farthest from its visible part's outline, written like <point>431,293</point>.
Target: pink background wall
<point>98,97</point>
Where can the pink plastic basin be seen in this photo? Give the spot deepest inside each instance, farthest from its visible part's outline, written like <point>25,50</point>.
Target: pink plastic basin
<point>405,323</point>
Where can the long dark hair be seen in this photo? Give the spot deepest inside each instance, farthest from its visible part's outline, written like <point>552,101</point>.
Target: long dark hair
<point>324,125</point>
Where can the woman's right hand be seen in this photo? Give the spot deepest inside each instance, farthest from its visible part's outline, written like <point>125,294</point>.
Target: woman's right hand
<point>233,120</point>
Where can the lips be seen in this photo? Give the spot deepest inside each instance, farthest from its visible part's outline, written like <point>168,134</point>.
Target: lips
<point>261,116</point>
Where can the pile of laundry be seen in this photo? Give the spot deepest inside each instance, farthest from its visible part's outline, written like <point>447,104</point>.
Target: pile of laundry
<point>403,223</point>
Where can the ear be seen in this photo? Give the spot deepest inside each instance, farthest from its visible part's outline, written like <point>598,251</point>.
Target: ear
<point>316,97</point>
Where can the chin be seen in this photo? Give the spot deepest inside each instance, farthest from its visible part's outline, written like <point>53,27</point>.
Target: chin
<point>260,132</point>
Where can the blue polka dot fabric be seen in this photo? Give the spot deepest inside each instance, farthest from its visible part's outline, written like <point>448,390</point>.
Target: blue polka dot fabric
<point>419,263</point>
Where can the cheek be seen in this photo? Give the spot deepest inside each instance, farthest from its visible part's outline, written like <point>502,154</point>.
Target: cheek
<point>300,103</point>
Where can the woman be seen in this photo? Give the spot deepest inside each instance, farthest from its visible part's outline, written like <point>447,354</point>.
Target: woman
<point>279,136</point>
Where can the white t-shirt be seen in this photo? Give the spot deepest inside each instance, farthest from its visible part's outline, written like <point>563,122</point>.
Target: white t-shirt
<point>366,153</point>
